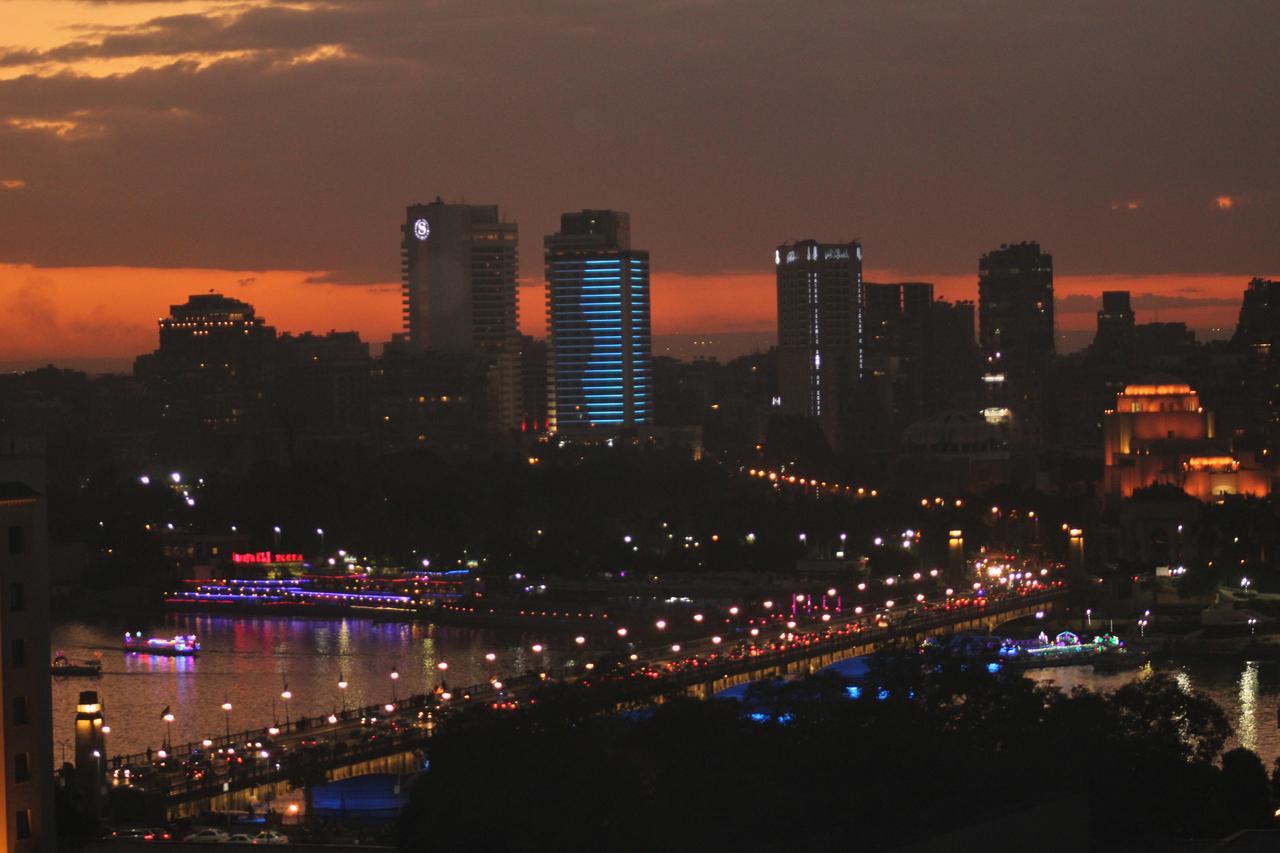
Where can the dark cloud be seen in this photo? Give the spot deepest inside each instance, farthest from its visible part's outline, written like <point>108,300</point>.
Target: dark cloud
<point>269,136</point>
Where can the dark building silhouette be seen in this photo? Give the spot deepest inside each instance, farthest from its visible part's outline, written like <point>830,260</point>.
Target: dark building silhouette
<point>920,358</point>
<point>26,736</point>
<point>1259,322</point>
<point>211,338</point>
<point>215,356</point>
<point>820,329</point>
<point>322,382</point>
<point>1115,325</point>
<point>533,385</point>
<point>600,341</point>
<point>1015,303</point>
<point>1015,328</point>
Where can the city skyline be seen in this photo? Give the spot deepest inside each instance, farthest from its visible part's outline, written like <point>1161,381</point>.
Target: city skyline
<point>293,212</point>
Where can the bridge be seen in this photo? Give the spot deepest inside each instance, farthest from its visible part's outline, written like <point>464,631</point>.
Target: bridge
<point>253,767</point>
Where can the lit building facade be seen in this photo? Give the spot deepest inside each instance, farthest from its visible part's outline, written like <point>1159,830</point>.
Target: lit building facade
<point>459,286</point>
<point>599,337</point>
<point>820,329</point>
<point>1159,433</point>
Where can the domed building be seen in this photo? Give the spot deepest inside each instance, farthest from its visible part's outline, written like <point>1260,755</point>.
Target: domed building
<point>1159,432</point>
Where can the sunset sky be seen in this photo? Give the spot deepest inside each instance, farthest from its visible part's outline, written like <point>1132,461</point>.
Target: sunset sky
<point>149,150</point>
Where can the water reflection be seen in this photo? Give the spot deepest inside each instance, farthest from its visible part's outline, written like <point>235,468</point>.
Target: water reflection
<point>1248,694</point>
<point>1247,725</point>
<point>245,660</point>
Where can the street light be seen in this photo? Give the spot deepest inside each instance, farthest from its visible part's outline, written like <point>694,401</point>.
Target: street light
<point>342,691</point>
<point>320,533</point>
<point>276,531</point>
<point>226,709</point>
<point>286,695</point>
<point>1253,626</point>
<point>168,727</point>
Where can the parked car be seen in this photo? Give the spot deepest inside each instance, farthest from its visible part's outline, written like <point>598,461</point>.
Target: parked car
<point>208,835</point>
<point>270,836</point>
<point>240,838</point>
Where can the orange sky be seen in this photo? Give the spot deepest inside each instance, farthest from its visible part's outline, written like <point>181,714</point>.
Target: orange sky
<point>72,316</point>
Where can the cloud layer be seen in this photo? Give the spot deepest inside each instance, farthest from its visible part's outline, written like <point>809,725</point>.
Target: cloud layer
<point>290,136</point>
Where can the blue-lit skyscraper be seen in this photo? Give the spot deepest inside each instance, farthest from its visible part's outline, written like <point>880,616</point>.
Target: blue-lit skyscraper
<point>598,311</point>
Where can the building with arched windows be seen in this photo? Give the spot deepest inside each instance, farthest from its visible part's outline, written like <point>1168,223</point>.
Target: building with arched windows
<point>1159,433</point>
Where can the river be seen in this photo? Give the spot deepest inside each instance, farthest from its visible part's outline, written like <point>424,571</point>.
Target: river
<point>248,660</point>
<point>1249,693</point>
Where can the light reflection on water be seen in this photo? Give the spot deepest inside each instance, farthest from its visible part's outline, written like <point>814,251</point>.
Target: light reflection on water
<point>246,660</point>
<point>1248,692</point>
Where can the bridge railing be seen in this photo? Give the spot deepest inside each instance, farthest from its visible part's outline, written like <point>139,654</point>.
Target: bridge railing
<point>171,780</point>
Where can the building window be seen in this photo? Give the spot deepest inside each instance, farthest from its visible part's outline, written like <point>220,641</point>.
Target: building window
<point>17,598</point>
<point>17,542</point>
<point>18,654</point>
<point>22,767</point>
<point>23,823</point>
<point>20,716</point>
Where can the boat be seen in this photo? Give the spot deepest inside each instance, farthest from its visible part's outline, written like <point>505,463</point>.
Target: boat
<point>183,645</point>
<point>66,667</point>
<point>1066,649</point>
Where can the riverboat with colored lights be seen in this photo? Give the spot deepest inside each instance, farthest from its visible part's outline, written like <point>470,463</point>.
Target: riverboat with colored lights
<point>1066,649</point>
<point>63,666</point>
<point>183,645</point>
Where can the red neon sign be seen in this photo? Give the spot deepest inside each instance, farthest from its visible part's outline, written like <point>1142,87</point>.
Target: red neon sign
<point>266,557</point>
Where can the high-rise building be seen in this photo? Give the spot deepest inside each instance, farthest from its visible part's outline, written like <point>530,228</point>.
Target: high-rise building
<point>1259,323</point>
<point>459,289</point>
<point>214,358</point>
<point>1015,304</point>
<point>820,329</point>
<point>1115,324</point>
<point>600,348</point>
<point>459,277</point>
<point>211,336</point>
<point>26,744</point>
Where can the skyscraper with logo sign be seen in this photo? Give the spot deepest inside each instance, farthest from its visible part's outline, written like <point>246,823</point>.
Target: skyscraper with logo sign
<point>599,335</point>
<point>820,329</point>
<point>459,279</point>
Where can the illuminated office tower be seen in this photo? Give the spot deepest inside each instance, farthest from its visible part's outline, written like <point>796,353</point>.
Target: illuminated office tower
<point>599,334</point>
<point>459,279</point>
<point>820,329</point>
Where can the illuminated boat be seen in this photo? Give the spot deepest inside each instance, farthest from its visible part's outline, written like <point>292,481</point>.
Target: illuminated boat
<point>183,645</point>
<point>1066,649</point>
<point>65,667</point>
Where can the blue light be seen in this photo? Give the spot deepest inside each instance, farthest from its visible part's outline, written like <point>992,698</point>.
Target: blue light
<point>783,719</point>
<point>758,717</point>
<point>882,694</point>
<point>994,667</point>
<point>854,691</point>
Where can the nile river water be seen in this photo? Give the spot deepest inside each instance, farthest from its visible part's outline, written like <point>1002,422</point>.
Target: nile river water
<point>247,660</point>
<point>1249,693</point>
